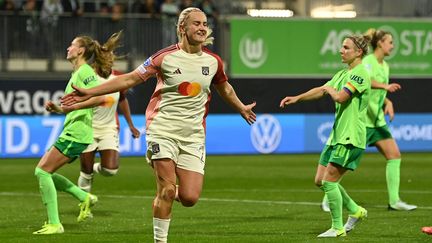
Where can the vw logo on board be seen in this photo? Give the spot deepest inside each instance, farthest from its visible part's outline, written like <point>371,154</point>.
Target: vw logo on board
<point>266,134</point>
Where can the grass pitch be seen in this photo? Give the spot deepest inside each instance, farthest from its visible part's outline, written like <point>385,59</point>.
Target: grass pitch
<point>261,198</point>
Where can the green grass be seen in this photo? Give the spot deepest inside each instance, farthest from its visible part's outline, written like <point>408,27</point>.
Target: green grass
<point>266,198</point>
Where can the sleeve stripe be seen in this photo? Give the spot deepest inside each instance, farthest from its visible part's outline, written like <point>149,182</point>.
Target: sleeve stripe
<point>351,87</point>
<point>348,91</point>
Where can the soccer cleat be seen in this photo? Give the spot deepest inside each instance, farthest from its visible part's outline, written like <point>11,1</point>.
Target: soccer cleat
<point>325,205</point>
<point>49,229</point>
<point>427,230</point>
<point>354,219</point>
<point>332,233</point>
<point>85,207</point>
<point>401,206</point>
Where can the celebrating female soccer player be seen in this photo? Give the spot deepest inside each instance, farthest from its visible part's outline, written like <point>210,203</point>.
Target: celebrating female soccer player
<point>106,139</point>
<point>349,89</point>
<point>77,131</point>
<point>176,112</point>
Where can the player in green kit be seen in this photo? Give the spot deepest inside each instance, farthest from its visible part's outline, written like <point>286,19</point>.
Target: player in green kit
<point>86,55</point>
<point>378,133</point>
<point>350,90</point>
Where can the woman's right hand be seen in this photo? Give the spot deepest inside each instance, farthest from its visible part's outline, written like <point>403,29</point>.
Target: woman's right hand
<point>51,107</point>
<point>393,87</point>
<point>288,101</point>
<point>79,95</point>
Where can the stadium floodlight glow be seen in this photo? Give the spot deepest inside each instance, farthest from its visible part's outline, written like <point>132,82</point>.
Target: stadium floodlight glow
<point>330,11</point>
<point>270,13</point>
<point>334,14</point>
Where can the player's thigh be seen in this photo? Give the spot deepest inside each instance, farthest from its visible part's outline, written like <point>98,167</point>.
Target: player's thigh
<point>388,148</point>
<point>190,183</point>
<point>52,160</point>
<point>334,172</point>
<point>165,172</point>
<point>87,161</point>
<point>109,158</point>
<point>319,174</point>
<point>63,151</point>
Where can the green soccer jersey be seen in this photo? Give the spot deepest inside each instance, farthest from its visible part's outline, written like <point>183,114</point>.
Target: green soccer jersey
<point>77,126</point>
<point>350,117</point>
<point>379,73</point>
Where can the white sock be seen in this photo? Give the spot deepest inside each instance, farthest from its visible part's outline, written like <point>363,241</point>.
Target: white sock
<point>160,230</point>
<point>97,167</point>
<point>108,172</point>
<point>85,181</point>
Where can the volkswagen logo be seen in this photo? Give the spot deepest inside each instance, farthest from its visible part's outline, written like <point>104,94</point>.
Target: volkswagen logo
<point>266,134</point>
<point>253,52</point>
<point>324,130</point>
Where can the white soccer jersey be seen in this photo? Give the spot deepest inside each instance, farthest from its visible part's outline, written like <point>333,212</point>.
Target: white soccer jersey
<point>180,102</point>
<point>105,116</point>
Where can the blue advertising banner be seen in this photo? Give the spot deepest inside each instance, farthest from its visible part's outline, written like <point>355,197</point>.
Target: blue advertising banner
<point>412,132</point>
<point>230,134</point>
<point>30,136</point>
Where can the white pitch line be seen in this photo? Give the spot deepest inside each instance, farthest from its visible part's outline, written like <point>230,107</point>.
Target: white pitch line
<point>313,190</point>
<point>230,200</point>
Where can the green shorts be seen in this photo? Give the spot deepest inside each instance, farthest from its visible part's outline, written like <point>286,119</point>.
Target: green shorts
<point>69,148</point>
<point>376,134</point>
<point>345,155</point>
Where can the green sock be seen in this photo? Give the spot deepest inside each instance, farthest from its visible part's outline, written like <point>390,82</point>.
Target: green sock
<point>334,196</point>
<point>65,185</point>
<point>49,194</point>
<point>393,179</point>
<point>348,203</point>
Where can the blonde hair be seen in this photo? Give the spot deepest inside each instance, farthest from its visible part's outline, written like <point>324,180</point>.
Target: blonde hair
<point>361,42</point>
<point>375,36</point>
<point>100,57</point>
<point>184,15</point>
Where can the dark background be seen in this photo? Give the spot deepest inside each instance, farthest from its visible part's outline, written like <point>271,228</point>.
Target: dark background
<point>413,98</point>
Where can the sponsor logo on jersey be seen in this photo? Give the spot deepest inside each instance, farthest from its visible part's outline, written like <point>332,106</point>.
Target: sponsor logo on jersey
<point>357,79</point>
<point>89,79</point>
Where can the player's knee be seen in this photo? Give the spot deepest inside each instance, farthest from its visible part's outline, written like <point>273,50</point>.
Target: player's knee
<point>168,193</point>
<point>318,182</point>
<point>394,155</point>
<point>108,172</point>
<point>188,200</point>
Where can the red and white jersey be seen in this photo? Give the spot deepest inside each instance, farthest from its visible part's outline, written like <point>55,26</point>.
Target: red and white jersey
<point>180,102</point>
<point>105,116</point>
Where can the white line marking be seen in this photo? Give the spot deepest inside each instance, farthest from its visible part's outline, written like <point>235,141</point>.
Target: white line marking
<point>230,200</point>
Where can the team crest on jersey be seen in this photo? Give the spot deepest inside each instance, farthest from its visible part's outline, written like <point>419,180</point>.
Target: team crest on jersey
<point>205,71</point>
<point>155,148</point>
